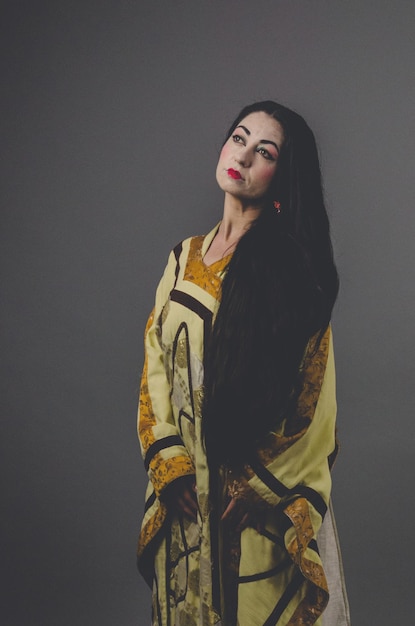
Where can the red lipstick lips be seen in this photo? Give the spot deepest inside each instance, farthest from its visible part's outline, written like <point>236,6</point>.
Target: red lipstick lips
<point>234,174</point>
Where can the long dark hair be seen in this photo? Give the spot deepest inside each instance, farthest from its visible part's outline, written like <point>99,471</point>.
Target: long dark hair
<point>279,290</point>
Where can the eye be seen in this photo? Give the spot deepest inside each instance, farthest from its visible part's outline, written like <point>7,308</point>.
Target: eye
<point>267,155</point>
<point>237,138</point>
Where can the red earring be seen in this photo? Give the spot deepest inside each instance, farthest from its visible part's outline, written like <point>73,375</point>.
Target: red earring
<point>277,206</point>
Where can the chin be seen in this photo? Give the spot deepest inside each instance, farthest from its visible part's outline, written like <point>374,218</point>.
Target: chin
<point>225,183</point>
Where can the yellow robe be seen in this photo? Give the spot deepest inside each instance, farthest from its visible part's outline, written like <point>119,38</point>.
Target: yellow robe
<point>200,573</point>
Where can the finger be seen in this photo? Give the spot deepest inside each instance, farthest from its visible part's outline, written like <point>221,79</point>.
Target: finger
<point>231,506</point>
<point>184,508</point>
<point>191,500</point>
<point>188,506</point>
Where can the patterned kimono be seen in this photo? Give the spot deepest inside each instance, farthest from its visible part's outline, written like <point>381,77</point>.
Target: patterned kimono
<point>203,573</point>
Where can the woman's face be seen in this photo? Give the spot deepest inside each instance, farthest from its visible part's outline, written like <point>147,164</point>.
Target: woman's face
<point>249,158</point>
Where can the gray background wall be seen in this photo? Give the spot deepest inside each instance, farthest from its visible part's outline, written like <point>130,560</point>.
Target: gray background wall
<point>113,113</point>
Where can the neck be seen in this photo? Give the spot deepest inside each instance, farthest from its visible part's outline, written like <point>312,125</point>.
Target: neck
<point>237,218</point>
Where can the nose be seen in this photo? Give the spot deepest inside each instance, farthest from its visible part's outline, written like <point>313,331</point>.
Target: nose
<point>242,157</point>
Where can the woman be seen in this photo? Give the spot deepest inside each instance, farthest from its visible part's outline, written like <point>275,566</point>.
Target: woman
<point>237,402</point>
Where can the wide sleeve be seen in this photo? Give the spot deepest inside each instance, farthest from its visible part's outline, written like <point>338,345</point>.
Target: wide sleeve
<point>292,473</point>
<point>165,456</point>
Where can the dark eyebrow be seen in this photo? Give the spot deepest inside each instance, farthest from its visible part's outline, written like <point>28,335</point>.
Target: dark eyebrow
<point>248,132</point>
<point>266,141</point>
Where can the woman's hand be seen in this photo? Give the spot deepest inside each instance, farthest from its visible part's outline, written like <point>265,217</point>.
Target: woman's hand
<point>238,515</point>
<point>180,496</point>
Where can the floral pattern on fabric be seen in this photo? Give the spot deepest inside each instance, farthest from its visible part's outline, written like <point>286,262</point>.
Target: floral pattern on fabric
<point>166,470</point>
<point>298,512</point>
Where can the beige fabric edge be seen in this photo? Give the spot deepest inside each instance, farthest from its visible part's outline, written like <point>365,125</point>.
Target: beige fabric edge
<point>337,612</point>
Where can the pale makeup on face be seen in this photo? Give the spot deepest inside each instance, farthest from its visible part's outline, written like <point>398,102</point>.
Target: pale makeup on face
<point>248,160</point>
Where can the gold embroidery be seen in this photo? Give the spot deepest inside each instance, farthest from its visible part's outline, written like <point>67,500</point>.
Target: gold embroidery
<point>204,276</point>
<point>298,513</point>
<point>181,353</point>
<point>152,527</point>
<point>310,608</point>
<point>147,419</point>
<point>163,471</point>
<point>198,401</point>
<point>316,597</point>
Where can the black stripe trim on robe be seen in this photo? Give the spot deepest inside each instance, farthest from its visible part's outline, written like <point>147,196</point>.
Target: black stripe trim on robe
<point>263,575</point>
<point>313,497</point>
<point>186,553</point>
<point>197,307</point>
<point>313,546</point>
<point>183,415</point>
<point>281,490</point>
<point>150,502</point>
<point>279,541</point>
<point>183,554</point>
<point>177,252</point>
<point>161,444</point>
<point>285,599</point>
